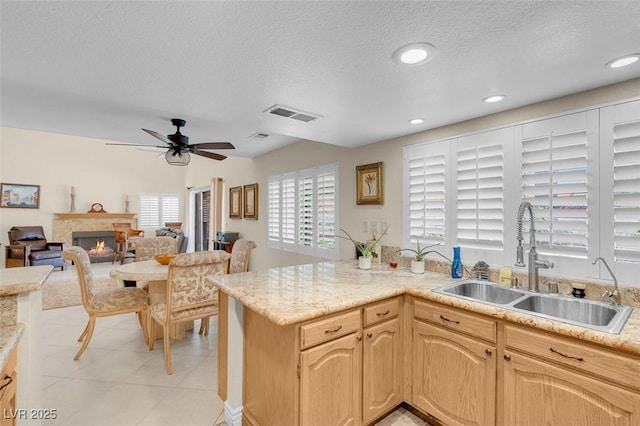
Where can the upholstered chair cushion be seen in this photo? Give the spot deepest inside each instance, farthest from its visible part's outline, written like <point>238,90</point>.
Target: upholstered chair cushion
<point>188,273</point>
<point>240,254</point>
<point>147,248</point>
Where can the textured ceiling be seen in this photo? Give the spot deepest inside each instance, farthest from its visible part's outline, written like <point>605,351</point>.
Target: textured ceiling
<point>107,69</point>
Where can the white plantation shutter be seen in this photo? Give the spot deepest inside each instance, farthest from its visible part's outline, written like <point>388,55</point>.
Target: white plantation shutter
<point>555,180</point>
<point>425,193</point>
<point>156,209</point>
<point>479,191</point>
<point>302,209</point>
<point>626,192</point>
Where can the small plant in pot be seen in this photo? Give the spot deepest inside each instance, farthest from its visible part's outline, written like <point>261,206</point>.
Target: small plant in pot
<point>417,263</point>
<point>365,250</point>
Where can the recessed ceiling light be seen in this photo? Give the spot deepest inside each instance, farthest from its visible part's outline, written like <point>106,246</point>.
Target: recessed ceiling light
<point>494,98</point>
<point>416,121</point>
<point>624,61</point>
<point>414,54</point>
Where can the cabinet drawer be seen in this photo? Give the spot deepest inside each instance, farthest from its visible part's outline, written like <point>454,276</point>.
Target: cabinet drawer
<point>12,364</point>
<point>455,319</point>
<point>329,329</point>
<point>621,368</point>
<point>381,311</point>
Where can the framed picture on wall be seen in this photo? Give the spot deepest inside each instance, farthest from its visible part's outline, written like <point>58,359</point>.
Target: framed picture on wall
<point>21,196</point>
<point>251,201</point>
<point>369,184</point>
<point>235,202</point>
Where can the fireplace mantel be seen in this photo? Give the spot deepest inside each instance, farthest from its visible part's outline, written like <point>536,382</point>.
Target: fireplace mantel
<point>65,223</point>
<point>94,215</point>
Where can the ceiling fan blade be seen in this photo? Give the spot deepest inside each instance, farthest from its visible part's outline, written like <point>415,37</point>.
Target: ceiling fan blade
<point>211,155</point>
<point>136,144</point>
<point>163,138</point>
<point>213,145</point>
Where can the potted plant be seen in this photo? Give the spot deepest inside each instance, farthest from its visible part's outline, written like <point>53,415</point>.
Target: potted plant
<point>417,263</point>
<point>365,249</point>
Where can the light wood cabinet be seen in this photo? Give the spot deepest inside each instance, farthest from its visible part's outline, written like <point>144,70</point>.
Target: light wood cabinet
<point>9,384</point>
<point>453,376</point>
<point>382,369</point>
<point>550,379</point>
<point>330,383</point>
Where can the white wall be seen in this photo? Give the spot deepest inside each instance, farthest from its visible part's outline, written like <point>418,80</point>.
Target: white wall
<point>105,173</point>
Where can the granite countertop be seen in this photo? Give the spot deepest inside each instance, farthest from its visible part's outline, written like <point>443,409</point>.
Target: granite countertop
<point>293,294</point>
<point>9,337</point>
<point>22,280</point>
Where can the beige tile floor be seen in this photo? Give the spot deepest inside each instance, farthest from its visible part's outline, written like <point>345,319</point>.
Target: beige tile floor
<point>118,382</point>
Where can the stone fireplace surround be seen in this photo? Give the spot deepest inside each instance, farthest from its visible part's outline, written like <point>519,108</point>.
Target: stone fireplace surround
<point>64,224</point>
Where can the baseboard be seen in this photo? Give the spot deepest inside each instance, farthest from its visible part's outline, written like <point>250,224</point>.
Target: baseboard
<point>232,416</point>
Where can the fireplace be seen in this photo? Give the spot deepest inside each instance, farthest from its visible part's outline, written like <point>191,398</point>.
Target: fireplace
<point>100,245</point>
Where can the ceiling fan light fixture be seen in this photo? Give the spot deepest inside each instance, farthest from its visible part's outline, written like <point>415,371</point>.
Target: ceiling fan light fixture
<point>177,158</point>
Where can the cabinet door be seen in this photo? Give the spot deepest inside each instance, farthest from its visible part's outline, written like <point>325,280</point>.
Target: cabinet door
<point>382,369</point>
<point>453,376</point>
<point>330,383</point>
<point>537,393</point>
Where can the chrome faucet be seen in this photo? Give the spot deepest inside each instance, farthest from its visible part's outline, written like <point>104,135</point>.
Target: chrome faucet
<point>614,296</point>
<point>534,263</point>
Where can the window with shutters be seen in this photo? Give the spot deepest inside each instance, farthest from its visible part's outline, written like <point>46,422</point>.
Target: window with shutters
<point>302,211</point>
<point>426,180</point>
<point>156,209</point>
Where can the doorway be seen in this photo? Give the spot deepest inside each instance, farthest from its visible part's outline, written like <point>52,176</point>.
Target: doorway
<point>201,206</point>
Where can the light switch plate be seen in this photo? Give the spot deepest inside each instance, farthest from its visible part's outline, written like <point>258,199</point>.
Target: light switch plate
<point>374,227</point>
<point>365,226</point>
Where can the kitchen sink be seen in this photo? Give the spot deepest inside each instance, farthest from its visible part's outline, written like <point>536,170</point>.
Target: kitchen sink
<point>587,313</point>
<point>584,312</point>
<point>483,291</point>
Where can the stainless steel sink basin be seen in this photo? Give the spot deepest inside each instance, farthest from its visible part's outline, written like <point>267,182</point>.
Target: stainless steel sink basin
<point>483,291</point>
<point>583,312</point>
<point>587,313</point>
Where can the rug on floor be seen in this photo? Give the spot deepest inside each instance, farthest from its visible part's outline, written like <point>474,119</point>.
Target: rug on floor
<point>61,289</point>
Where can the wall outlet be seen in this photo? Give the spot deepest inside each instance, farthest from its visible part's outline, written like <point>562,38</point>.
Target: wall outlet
<point>365,226</point>
<point>374,227</point>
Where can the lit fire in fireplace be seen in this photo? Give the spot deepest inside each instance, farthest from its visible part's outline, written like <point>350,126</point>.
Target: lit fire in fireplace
<point>100,249</point>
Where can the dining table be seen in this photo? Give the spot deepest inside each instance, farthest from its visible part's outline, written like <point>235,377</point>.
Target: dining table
<point>153,276</point>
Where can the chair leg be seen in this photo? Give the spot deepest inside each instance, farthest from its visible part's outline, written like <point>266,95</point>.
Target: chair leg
<point>84,332</point>
<point>167,349</point>
<point>144,322</point>
<point>152,332</point>
<point>206,331</point>
<point>204,322</point>
<point>89,332</point>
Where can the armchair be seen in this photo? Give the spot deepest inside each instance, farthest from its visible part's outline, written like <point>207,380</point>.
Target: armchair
<point>125,236</point>
<point>28,246</point>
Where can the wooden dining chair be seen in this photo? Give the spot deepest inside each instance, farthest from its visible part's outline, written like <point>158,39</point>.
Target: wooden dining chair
<point>240,255</point>
<point>189,295</point>
<point>106,303</point>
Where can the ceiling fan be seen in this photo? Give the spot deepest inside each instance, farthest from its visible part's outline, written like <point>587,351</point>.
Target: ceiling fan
<point>179,149</point>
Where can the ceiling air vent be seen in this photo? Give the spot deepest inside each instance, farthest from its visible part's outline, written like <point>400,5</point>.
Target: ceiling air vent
<point>291,113</point>
<point>259,135</point>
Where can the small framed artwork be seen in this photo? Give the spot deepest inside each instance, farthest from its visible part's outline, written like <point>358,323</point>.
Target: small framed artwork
<point>235,202</point>
<point>15,195</point>
<point>369,184</point>
<point>251,201</point>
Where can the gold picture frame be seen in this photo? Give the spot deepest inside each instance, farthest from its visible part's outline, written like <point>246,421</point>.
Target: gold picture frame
<point>235,202</point>
<point>18,195</point>
<point>369,185</point>
<point>251,201</point>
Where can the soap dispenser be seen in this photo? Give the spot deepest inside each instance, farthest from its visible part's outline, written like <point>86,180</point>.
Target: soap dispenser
<point>456,265</point>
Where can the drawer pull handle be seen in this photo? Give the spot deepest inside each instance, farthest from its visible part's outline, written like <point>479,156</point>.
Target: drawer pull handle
<point>369,335</point>
<point>333,330</point>
<point>8,379</point>
<point>488,352</point>
<point>507,357</point>
<point>448,320</point>
<point>381,314</point>
<point>577,358</point>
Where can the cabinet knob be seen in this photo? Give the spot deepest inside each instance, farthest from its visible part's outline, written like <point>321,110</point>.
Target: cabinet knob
<point>358,337</point>
<point>369,335</point>
<point>488,352</point>
<point>507,357</point>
